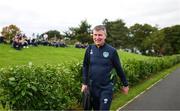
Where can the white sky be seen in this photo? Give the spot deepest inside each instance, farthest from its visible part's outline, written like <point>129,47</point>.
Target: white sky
<point>39,16</point>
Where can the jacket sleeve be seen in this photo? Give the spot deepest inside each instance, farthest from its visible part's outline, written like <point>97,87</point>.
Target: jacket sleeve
<point>85,69</point>
<point>118,67</point>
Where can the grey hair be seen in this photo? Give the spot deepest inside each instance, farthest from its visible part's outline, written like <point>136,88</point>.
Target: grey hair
<point>100,27</point>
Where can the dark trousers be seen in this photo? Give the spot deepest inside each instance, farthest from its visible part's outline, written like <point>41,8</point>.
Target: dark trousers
<point>101,97</point>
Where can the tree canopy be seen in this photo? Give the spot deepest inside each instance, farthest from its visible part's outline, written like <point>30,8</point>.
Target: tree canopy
<point>10,32</point>
<point>82,33</point>
<point>117,33</point>
<point>53,34</point>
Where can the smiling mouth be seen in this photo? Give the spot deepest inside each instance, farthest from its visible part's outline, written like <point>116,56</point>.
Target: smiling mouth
<point>99,40</point>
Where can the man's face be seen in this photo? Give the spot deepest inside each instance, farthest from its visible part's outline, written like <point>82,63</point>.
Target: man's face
<point>99,37</point>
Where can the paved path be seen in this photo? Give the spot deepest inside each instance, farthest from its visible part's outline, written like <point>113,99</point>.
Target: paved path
<point>165,95</point>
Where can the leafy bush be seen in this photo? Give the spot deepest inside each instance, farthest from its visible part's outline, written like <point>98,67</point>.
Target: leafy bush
<point>57,87</point>
<point>46,87</point>
<point>137,70</point>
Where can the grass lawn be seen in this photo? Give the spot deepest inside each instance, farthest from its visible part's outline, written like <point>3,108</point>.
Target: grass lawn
<point>47,54</point>
<point>38,55</point>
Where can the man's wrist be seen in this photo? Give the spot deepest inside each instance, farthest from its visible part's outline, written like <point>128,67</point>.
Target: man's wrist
<point>84,84</point>
<point>125,85</point>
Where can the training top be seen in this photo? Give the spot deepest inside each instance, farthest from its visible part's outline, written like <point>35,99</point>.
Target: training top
<point>99,62</point>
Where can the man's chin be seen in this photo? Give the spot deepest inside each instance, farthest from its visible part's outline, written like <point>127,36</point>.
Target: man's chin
<point>99,44</point>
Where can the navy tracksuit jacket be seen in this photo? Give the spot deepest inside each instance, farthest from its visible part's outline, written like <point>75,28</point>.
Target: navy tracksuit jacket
<point>98,63</point>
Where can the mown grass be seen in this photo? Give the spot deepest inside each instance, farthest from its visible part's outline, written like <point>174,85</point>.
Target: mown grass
<point>120,99</point>
<point>48,55</point>
<point>38,55</point>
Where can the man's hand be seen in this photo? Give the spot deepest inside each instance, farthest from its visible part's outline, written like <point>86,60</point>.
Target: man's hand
<point>125,89</point>
<point>84,88</point>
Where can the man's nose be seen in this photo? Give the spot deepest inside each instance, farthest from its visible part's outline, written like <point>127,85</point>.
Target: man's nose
<point>97,36</point>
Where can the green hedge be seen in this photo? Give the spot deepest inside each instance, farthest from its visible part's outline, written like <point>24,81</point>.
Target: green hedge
<point>137,70</point>
<point>57,87</point>
<point>40,87</point>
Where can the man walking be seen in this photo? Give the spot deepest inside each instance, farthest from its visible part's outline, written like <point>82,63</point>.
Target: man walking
<point>99,60</point>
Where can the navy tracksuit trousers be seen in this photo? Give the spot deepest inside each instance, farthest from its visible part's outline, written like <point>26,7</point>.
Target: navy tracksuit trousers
<point>101,97</point>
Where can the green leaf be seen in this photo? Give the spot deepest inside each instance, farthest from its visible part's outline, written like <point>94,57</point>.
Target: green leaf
<point>12,79</point>
<point>30,93</point>
<point>23,93</point>
<point>34,88</point>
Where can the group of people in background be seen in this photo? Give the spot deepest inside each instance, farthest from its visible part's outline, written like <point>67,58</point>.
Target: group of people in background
<point>80,45</point>
<point>54,43</point>
<point>21,41</point>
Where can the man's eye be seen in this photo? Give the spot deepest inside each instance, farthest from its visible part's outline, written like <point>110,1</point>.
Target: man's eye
<point>99,34</point>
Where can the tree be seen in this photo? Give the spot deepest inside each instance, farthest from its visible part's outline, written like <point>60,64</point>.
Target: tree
<point>155,43</point>
<point>139,33</point>
<point>53,34</point>
<point>10,32</point>
<point>106,23</point>
<point>172,38</point>
<point>82,33</point>
<point>69,34</point>
<point>117,33</point>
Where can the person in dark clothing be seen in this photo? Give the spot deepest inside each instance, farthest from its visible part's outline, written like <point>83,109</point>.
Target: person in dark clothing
<point>17,42</point>
<point>2,39</point>
<point>99,60</point>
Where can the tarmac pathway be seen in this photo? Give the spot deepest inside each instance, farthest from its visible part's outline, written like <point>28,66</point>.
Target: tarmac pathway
<point>165,95</point>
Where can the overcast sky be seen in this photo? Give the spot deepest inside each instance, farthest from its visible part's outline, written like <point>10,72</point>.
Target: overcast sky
<point>39,16</point>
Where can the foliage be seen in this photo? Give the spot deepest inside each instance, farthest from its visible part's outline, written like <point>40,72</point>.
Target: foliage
<point>41,87</point>
<point>155,43</point>
<point>172,39</point>
<point>117,33</point>
<point>10,31</point>
<point>53,34</point>
<point>138,70</point>
<point>82,33</point>
<point>69,34</point>
<point>139,33</point>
